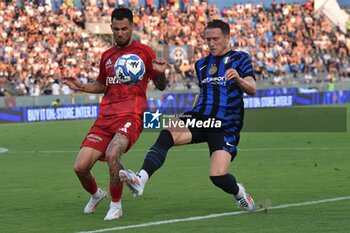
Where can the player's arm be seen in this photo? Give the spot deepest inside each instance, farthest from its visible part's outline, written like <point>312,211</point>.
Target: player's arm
<point>95,87</point>
<point>160,82</point>
<point>75,84</point>
<point>195,102</point>
<point>159,65</point>
<point>247,84</point>
<point>196,98</point>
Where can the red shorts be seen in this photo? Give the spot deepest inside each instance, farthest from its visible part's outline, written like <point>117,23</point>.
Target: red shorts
<point>102,132</point>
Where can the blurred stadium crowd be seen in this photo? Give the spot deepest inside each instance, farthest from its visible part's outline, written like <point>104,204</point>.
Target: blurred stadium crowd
<point>286,41</point>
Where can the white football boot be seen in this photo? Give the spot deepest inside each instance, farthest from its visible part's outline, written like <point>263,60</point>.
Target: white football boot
<point>132,181</point>
<point>115,211</point>
<point>94,201</point>
<point>246,202</point>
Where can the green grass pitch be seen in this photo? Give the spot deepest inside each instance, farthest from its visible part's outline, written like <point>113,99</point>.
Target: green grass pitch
<point>40,193</point>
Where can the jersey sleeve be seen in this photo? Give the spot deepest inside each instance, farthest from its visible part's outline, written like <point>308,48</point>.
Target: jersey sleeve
<point>246,66</point>
<point>197,74</point>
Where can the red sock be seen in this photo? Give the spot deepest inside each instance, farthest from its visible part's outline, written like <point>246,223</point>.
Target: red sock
<point>90,187</point>
<point>116,191</point>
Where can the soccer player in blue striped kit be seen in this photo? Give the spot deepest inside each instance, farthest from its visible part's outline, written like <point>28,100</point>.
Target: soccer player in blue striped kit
<point>223,76</point>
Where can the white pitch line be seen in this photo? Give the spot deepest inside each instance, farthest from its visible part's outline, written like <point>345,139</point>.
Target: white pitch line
<point>43,151</point>
<point>3,150</point>
<point>295,148</point>
<point>216,215</point>
<point>182,149</point>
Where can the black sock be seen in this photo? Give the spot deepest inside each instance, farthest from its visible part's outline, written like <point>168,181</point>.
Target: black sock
<point>157,153</point>
<point>226,182</point>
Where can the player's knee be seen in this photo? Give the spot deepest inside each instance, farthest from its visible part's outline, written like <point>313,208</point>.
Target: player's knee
<point>80,169</point>
<point>181,136</point>
<point>218,172</point>
<point>176,136</point>
<point>112,155</point>
<point>114,152</point>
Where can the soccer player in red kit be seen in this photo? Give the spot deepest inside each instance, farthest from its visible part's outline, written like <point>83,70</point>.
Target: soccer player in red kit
<point>119,122</point>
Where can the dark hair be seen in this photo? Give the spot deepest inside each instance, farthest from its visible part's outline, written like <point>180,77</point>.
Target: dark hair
<point>217,23</point>
<point>122,13</point>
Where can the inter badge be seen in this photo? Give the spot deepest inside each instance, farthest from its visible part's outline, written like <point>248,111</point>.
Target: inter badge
<point>213,69</point>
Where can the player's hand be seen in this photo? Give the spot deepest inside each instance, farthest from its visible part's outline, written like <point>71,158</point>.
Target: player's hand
<point>159,64</point>
<point>73,83</point>
<point>232,74</point>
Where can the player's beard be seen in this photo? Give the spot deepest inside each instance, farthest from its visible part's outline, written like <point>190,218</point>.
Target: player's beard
<point>122,43</point>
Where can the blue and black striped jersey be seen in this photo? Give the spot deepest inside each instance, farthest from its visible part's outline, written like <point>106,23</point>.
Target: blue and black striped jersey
<point>220,98</point>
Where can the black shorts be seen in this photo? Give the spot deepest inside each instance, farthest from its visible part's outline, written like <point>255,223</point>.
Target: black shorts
<point>223,138</point>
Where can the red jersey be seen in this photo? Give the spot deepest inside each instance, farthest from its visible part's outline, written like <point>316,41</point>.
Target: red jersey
<point>124,99</point>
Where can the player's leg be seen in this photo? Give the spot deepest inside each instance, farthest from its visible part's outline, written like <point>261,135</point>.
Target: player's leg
<point>93,147</point>
<point>168,138</point>
<point>219,165</point>
<point>223,150</point>
<point>82,168</point>
<point>155,157</point>
<point>114,151</point>
<point>127,131</point>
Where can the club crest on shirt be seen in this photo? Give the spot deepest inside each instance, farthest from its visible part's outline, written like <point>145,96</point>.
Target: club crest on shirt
<point>213,69</point>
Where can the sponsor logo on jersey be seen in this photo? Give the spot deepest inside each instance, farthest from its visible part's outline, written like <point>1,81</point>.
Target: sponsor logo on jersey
<point>112,80</point>
<point>108,63</point>
<point>200,69</point>
<point>94,138</point>
<point>126,126</point>
<point>221,80</point>
<point>229,144</point>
